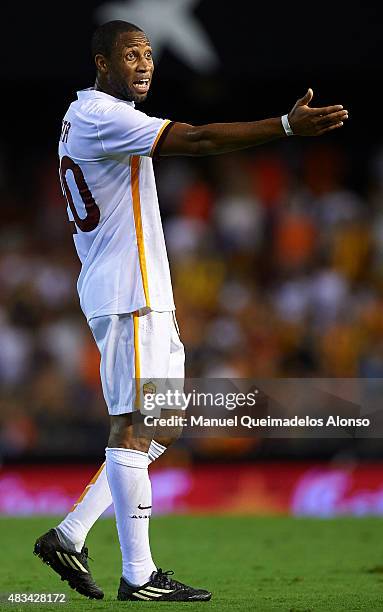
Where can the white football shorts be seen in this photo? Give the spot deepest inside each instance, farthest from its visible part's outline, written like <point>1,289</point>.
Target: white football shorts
<point>137,350</point>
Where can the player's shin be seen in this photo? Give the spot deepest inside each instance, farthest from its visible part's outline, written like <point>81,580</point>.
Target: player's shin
<point>128,478</point>
<point>92,503</point>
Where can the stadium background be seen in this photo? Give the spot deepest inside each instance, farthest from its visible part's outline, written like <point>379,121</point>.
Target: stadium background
<point>276,253</point>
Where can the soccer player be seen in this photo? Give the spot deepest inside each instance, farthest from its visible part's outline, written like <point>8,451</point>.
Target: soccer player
<point>106,149</point>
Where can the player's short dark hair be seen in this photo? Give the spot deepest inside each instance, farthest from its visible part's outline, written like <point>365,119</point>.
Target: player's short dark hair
<point>106,35</point>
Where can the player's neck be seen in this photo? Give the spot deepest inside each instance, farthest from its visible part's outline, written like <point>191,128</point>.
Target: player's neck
<point>104,87</point>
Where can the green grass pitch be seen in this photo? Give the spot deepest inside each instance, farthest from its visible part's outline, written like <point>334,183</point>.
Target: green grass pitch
<point>249,563</point>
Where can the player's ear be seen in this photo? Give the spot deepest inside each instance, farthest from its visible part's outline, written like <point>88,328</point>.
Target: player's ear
<point>101,63</point>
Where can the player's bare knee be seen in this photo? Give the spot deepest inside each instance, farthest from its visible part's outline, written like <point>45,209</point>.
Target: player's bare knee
<point>167,441</point>
<point>127,432</point>
<point>168,434</point>
<point>168,438</point>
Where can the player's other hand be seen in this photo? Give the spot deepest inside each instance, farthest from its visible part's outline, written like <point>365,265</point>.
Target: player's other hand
<point>306,121</point>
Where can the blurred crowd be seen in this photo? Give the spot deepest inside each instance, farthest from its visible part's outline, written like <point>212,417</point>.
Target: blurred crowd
<point>277,265</point>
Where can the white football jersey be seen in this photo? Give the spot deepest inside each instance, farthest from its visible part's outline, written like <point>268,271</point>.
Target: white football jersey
<point>107,177</point>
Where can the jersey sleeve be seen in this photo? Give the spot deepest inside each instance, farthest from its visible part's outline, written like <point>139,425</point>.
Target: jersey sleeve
<point>127,131</point>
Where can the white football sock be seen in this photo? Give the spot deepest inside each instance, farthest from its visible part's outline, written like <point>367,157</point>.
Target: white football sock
<point>95,499</point>
<point>155,451</point>
<point>128,478</point>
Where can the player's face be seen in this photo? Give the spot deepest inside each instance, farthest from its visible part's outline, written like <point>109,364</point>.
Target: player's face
<point>130,68</point>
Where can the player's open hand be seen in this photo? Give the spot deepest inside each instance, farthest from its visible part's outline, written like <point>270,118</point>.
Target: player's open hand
<point>306,121</point>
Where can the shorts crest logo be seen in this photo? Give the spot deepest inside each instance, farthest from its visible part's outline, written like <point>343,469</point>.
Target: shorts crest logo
<point>149,387</point>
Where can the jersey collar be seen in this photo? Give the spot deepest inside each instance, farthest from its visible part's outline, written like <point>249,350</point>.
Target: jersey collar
<point>90,92</point>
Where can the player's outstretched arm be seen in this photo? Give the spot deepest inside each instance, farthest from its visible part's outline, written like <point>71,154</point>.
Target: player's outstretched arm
<point>215,138</point>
